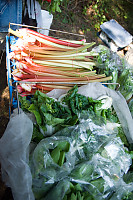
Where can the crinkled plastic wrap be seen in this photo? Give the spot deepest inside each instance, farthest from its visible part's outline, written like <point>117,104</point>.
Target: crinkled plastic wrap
<point>96,90</point>
<point>113,65</point>
<point>96,160</point>
<point>84,139</point>
<point>108,58</point>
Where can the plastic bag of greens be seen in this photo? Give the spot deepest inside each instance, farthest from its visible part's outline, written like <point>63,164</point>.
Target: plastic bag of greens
<point>95,90</point>
<point>50,161</point>
<point>59,190</point>
<point>112,64</point>
<point>110,160</point>
<point>102,175</point>
<point>14,156</point>
<point>55,158</point>
<point>89,135</point>
<point>99,178</point>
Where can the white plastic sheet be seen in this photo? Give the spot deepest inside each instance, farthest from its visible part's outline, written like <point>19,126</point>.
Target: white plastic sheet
<point>13,156</point>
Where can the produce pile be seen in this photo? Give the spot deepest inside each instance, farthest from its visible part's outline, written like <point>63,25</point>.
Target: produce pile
<point>120,71</point>
<point>80,150</point>
<point>45,63</point>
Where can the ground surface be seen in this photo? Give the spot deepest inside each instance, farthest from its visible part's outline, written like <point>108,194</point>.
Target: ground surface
<point>71,20</point>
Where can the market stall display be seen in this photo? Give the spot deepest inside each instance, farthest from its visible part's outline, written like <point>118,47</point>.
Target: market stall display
<point>75,141</point>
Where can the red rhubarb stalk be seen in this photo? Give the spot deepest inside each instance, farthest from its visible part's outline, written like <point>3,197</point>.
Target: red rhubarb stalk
<point>51,39</point>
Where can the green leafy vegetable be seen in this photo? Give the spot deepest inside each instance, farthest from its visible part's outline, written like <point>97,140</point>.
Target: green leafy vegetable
<point>111,64</point>
<point>55,154</point>
<point>52,115</point>
<point>37,136</point>
<point>25,104</point>
<point>58,153</point>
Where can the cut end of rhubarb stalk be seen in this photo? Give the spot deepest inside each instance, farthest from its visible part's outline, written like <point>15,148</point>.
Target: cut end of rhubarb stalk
<point>16,33</point>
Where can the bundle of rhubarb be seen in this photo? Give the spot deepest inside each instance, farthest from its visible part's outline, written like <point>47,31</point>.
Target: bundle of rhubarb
<point>45,63</point>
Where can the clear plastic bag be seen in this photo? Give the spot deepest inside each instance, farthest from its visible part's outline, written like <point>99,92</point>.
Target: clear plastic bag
<point>113,65</point>
<point>120,105</point>
<point>102,174</point>
<point>96,156</point>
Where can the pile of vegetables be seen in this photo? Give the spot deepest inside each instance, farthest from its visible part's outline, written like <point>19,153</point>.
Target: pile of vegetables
<point>45,63</point>
<point>113,65</point>
<point>52,115</point>
<point>80,151</point>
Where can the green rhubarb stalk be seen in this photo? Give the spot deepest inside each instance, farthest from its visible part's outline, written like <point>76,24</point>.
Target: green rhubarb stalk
<point>69,69</point>
<point>68,63</point>
<point>83,74</point>
<point>75,55</point>
<point>100,79</point>
<point>56,86</point>
<point>53,64</point>
<point>73,62</point>
<point>75,51</point>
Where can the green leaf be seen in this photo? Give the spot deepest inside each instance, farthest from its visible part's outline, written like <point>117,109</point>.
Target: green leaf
<point>99,184</point>
<point>55,154</point>
<point>35,111</point>
<point>64,146</point>
<point>70,93</point>
<point>65,197</point>
<point>37,136</point>
<point>50,120</point>
<point>73,196</point>
<point>77,187</point>
<point>82,170</point>
<point>25,104</point>
<point>128,178</point>
<point>122,135</point>
<point>72,121</point>
<point>62,158</point>
<point>79,196</point>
